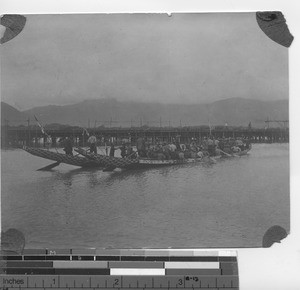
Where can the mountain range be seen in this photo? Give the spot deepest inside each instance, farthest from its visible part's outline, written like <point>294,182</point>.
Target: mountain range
<point>114,113</point>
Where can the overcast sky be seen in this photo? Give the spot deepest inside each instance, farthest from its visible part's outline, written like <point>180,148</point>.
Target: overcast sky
<point>64,59</point>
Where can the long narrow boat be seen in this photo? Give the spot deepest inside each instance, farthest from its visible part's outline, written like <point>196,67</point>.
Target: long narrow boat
<point>95,160</point>
<point>62,158</point>
<point>117,162</point>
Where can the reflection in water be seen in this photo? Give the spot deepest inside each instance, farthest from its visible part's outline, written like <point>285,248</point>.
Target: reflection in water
<point>230,203</point>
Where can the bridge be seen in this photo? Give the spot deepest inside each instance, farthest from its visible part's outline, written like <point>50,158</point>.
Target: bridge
<point>33,136</point>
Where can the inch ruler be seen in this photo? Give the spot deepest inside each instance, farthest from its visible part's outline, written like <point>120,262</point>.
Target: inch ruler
<point>107,270</point>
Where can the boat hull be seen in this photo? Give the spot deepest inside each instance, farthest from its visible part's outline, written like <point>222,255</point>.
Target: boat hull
<point>117,162</point>
<point>88,160</point>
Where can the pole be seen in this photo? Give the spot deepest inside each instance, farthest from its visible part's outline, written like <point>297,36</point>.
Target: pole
<point>6,141</point>
<point>36,143</point>
<point>28,127</point>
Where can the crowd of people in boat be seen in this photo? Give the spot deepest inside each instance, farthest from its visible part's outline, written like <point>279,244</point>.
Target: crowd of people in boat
<point>194,149</point>
<point>209,146</point>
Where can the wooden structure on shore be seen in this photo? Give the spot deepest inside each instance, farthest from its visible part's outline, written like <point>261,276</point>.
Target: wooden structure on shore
<point>32,135</point>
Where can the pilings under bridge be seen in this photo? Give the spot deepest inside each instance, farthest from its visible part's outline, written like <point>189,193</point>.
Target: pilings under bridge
<point>33,136</point>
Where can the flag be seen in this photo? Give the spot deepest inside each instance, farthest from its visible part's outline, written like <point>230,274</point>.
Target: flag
<point>42,128</point>
<point>86,132</point>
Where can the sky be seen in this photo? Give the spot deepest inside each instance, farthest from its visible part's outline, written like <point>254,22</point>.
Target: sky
<point>183,58</point>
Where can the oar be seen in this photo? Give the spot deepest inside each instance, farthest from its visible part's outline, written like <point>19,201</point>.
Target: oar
<point>87,150</point>
<point>50,166</point>
<point>109,168</point>
<point>212,159</point>
<point>230,155</point>
<point>131,154</point>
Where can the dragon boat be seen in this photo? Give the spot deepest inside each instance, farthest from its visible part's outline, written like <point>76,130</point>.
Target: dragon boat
<point>108,163</point>
<point>80,161</point>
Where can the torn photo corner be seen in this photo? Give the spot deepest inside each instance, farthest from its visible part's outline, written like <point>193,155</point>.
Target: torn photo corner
<point>149,130</point>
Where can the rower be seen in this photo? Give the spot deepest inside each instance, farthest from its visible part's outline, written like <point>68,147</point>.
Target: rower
<point>200,154</point>
<point>211,146</point>
<point>112,150</point>
<point>141,147</point>
<point>123,150</point>
<point>129,150</point>
<point>68,148</point>
<point>93,143</point>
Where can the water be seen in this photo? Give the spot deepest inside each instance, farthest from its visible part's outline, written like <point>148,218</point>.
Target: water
<point>228,204</point>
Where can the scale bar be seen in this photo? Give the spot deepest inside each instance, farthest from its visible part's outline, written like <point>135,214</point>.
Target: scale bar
<point>137,272</point>
<point>192,265</point>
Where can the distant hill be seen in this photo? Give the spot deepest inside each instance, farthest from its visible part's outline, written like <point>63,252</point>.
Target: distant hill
<point>110,112</point>
<point>12,116</point>
<point>238,111</point>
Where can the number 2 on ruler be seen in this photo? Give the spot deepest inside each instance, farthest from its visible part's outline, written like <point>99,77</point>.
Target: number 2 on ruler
<point>116,282</point>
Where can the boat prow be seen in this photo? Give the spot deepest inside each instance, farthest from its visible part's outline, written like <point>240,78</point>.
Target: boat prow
<point>61,158</point>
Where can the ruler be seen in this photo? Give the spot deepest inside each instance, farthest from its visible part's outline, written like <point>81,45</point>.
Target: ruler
<point>120,269</point>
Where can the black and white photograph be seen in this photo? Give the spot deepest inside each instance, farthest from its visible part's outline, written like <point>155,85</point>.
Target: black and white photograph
<point>144,130</point>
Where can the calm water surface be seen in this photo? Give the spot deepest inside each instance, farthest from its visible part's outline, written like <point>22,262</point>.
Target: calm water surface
<point>228,204</point>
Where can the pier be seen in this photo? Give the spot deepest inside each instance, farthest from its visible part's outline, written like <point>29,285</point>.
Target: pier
<point>33,136</point>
